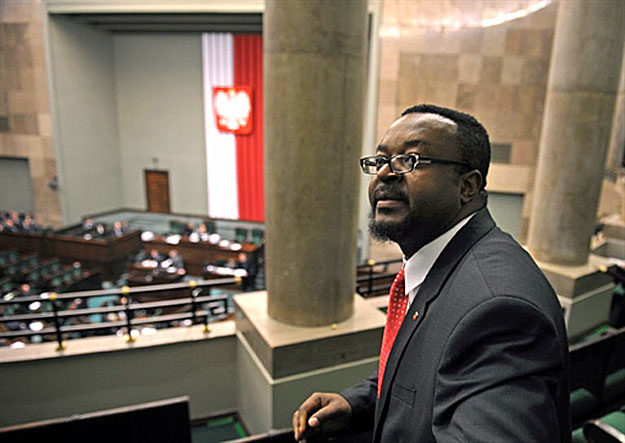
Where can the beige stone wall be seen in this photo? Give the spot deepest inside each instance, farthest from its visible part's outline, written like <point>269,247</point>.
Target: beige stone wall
<point>497,73</point>
<point>24,101</point>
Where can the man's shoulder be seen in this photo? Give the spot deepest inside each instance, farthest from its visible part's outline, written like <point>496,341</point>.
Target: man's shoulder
<point>499,266</point>
<point>498,251</point>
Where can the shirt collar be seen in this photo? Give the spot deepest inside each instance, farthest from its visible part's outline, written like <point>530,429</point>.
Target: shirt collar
<point>418,266</point>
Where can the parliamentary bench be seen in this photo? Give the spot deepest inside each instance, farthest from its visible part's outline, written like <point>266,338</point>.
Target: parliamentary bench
<point>6,285</point>
<point>197,254</point>
<point>8,256</point>
<point>17,268</point>
<point>109,253</point>
<point>46,274</point>
<point>63,315</point>
<point>163,421</point>
<point>137,274</point>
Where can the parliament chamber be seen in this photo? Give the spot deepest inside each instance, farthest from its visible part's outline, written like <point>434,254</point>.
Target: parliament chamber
<point>184,239</point>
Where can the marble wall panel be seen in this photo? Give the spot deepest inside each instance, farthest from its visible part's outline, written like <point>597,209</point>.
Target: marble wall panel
<point>387,92</point>
<point>24,100</point>
<point>431,42</point>
<point>508,99</point>
<point>511,70</point>
<point>471,41</point>
<point>469,68</point>
<point>45,125</point>
<point>534,72</point>
<point>497,73</point>
<point>387,115</point>
<point>21,102</point>
<point>494,40</point>
<point>389,59</point>
<point>23,123</point>
<point>465,99</point>
<point>524,153</point>
<point>491,70</point>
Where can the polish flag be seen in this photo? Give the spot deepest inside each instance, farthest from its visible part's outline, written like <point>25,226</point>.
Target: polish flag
<point>233,124</point>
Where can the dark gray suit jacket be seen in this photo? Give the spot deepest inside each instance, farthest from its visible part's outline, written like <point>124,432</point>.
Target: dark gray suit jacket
<point>485,359</point>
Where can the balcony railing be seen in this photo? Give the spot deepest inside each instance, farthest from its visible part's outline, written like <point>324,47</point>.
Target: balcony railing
<point>196,307</point>
<point>373,279</point>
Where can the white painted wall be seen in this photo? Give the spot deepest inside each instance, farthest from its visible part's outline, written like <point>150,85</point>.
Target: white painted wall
<point>158,88</point>
<point>83,105</point>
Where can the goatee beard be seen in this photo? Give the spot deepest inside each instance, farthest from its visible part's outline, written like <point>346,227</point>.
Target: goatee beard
<point>385,231</point>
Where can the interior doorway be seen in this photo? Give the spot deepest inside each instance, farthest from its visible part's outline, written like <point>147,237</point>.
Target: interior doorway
<point>157,190</point>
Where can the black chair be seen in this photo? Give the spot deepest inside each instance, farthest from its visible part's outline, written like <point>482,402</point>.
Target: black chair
<point>163,421</point>
<point>588,368</point>
<point>258,236</point>
<point>210,226</point>
<point>240,235</point>
<point>608,429</point>
<point>614,387</point>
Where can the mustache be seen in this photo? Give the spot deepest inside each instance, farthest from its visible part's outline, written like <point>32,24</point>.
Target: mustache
<point>386,192</point>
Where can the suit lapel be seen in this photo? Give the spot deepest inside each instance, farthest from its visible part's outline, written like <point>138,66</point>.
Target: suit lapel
<point>478,226</point>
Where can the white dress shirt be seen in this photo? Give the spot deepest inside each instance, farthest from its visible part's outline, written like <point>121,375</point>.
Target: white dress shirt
<point>418,266</point>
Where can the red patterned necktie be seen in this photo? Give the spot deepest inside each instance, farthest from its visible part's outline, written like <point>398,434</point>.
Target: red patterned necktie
<point>397,302</point>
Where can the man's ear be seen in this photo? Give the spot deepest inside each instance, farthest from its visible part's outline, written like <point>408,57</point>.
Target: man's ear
<point>470,185</point>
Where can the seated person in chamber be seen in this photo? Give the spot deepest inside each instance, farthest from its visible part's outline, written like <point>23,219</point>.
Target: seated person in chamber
<point>118,229</point>
<point>245,263</point>
<point>188,229</point>
<point>156,256</point>
<point>202,232</point>
<point>174,263</point>
<point>176,259</point>
<point>9,226</point>
<point>29,226</point>
<point>151,260</point>
<point>474,348</point>
<point>87,224</point>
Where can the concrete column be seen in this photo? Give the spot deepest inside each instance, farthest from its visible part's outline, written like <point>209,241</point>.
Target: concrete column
<point>617,139</point>
<point>583,80</point>
<point>314,58</point>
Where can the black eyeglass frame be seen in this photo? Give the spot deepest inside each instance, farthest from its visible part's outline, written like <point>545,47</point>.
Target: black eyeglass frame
<point>418,159</point>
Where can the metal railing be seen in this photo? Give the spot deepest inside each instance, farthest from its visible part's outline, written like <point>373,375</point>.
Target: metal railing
<point>372,280</point>
<point>201,308</point>
<point>373,272</point>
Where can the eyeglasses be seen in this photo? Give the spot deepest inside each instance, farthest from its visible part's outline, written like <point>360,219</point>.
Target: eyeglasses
<point>402,163</point>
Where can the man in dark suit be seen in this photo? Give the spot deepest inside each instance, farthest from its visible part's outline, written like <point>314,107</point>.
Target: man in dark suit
<point>474,347</point>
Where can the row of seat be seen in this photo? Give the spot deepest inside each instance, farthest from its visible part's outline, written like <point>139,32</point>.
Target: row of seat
<point>609,428</point>
<point>597,375</point>
<point>29,274</point>
<point>241,235</point>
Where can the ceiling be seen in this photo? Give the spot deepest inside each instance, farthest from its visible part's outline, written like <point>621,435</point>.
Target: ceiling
<point>174,22</point>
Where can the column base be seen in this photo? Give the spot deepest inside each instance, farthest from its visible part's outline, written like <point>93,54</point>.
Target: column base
<point>614,227</point>
<point>584,292</point>
<point>280,365</point>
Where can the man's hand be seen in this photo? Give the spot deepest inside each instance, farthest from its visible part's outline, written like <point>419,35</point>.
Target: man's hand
<point>322,412</point>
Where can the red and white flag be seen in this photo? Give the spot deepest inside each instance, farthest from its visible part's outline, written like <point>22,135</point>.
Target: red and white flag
<point>233,125</point>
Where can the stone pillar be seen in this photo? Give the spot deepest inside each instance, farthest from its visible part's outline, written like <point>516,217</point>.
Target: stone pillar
<point>309,331</point>
<point>613,193</point>
<point>617,139</point>
<point>582,85</point>
<point>314,55</point>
